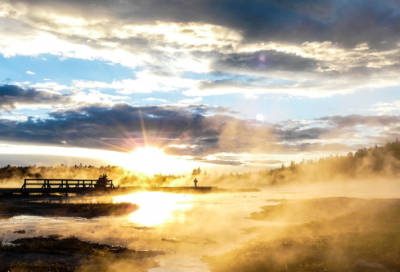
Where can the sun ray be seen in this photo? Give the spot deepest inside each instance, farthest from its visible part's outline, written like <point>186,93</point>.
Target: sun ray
<point>143,128</point>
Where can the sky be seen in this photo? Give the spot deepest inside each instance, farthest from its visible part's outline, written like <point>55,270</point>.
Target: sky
<point>223,85</point>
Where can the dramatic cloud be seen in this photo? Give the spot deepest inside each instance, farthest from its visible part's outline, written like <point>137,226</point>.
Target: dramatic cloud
<point>298,47</point>
<point>290,21</point>
<point>198,49</point>
<point>191,130</point>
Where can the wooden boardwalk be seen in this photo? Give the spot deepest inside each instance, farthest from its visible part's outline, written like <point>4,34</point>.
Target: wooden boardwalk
<point>87,186</point>
<point>58,186</point>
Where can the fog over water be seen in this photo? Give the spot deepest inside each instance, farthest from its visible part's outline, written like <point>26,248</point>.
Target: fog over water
<point>185,226</point>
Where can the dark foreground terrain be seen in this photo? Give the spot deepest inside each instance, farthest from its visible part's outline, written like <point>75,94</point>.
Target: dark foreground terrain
<point>10,209</point>
<point>71,254</point>
<point>330,234</point>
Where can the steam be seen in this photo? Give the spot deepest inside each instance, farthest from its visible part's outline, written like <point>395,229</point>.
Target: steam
<point>365,165</point>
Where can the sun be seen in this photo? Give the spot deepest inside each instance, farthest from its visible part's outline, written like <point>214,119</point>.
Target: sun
<point>149,160</point>
<point>148,153</point>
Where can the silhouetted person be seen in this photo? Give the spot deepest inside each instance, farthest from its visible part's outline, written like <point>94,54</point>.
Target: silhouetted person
<point>195,182</point>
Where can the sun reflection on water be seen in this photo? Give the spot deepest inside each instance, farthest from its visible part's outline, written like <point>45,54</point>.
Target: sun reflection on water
<point>156,207</point>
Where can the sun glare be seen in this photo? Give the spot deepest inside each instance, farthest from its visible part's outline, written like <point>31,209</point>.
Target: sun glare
<point>148,153</point>
<point>149,160</point>
<point>156,207</point>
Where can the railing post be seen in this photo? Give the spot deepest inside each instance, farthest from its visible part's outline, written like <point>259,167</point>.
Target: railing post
<point>24,185</point>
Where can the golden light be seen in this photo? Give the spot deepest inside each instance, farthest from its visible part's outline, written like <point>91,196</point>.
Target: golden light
<point>149,160</point>
<point>156,207</point>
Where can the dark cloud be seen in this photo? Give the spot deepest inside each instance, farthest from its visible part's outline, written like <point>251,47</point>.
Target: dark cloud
<point>203,129</point>
<point>12,95</point>
<point>330,65</point>
<point>262,62</point>
<point>355,119</point>
<point>298,134</point>
<point>200,129</point>
<point>345,22</point>
<point>123,128</point>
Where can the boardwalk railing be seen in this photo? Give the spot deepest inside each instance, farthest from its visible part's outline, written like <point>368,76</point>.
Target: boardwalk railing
<point>65,183</point>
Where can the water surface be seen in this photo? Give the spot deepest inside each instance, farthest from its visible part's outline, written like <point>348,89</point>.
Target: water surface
<point>183,225</point>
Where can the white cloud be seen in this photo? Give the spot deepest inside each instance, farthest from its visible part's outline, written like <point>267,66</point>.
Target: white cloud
<point>96,97</point>
<point>30,73</point>
<point>53,86</point>
<point>173,48</point>
<point>250,96</point>
<point>41,42</point>
<point>387,108</point>
<point>14,118</point>
<point>155,99</point>
<point>145,82</point>
<point>183,36</point>
<point>191,101</point>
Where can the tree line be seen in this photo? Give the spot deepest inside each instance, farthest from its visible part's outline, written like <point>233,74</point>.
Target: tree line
<point>382,161</point>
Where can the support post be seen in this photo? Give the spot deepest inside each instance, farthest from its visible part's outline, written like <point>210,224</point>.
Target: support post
<point>24,185</point>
